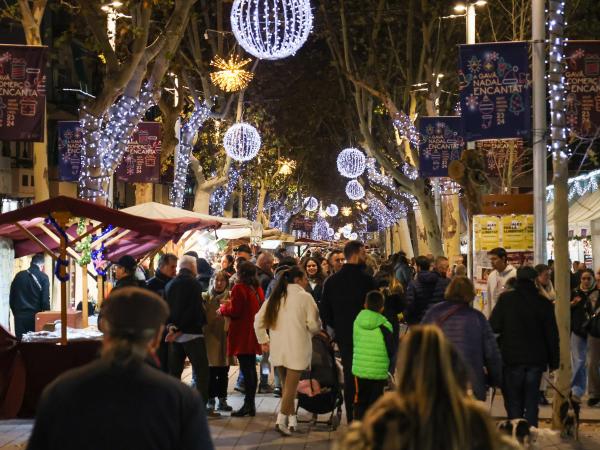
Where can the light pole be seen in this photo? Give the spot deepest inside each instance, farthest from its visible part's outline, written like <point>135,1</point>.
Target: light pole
<point>469,11</point>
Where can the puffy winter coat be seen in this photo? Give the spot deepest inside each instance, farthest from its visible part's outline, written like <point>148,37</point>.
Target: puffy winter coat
<point>473,338</point>
<point>370,358</point>
<point>245,303</point>
<point>422,292</point>
<point>184,296</point>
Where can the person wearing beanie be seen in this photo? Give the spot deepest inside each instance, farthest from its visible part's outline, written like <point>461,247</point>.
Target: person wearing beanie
<point>125,269</point>
<point>528,338</point>
<point>120,401</point>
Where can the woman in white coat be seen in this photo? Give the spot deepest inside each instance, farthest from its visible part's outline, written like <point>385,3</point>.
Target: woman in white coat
<point>284,327</point>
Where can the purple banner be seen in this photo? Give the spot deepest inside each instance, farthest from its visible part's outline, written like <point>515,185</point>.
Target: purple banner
<point>440,142</point>
<point>141,162</point>
<point>495,90</point>
<point>69,150</point>
<point>22,92</point>
<point>583,87</point>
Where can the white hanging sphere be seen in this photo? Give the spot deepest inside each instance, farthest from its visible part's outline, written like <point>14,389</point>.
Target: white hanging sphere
<point>354,190</point>
<point>311,204</point>
<point>346,234</point>
<point>242,142</point>
<point>351,163</point>
<point>330,232</point>
<point>353,236</point>
<point>271,29</point>
<point>332,210</point>
<point>337,236</point>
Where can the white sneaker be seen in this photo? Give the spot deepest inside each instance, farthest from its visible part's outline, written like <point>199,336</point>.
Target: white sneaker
<point>281,425</point>
<point>293,422</point>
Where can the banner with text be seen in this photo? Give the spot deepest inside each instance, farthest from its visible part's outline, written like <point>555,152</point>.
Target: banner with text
<point>583,88</point>
<point>70,141</point>
<point>502,156</point>
<point>141,162</point>
<point>22,92</point>
<point>440,142</point>
<point>495,90</point>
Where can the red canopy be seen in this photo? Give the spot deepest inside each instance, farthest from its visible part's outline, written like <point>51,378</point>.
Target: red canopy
<point>143,234</point>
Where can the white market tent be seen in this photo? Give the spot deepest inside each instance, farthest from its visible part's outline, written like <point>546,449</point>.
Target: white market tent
<point>583,210</point>
<point>230,228</point>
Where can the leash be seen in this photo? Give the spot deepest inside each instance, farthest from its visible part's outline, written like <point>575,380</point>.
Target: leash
<point>554,387</point>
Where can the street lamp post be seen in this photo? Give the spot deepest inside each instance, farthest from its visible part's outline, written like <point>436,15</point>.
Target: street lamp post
<point>469,10</point>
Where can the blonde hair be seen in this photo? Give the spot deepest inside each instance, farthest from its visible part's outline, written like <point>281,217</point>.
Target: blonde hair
<point>430,409</point>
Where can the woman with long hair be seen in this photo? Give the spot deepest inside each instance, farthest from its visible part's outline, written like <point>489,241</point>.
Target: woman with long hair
<point>470,333</point>
<point>316,278</point>
<point>215,337</point>
<point>395,301</point>
<point>285,325</point>
<point>430,409</point>
<point>245,301</point>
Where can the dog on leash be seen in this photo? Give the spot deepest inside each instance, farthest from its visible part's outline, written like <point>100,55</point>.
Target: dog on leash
<point>569,417</point>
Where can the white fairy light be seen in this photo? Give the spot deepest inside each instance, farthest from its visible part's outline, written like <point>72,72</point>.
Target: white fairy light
<point>332,210</point>
<point>242,142</point>
<point>182,158</point>
<point>406,128</point>
<point>330,232</point>
<point>320,231</point>
<point>271,29</point>
<point>410,171</point>
<point>351,163</point>
<point>311,204</point>
<point>354,190</point>
<point>353,236</point>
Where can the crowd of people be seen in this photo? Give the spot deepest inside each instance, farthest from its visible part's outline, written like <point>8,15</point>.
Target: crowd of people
<point>258,308</point>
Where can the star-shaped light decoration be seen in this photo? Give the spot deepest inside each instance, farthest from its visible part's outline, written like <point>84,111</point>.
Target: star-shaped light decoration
<point>346,211</point>
<point>232,76</point>
<point>286,166</point>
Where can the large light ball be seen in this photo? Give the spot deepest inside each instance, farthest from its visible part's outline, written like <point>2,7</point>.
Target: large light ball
<point>332,210</point>
<point>330,232</point>
<point>354,190</point>
<point>271,29</point>
<point>351,163</point>
<point>353,236</point>
<point>242,142</point>
<point>311,204</point>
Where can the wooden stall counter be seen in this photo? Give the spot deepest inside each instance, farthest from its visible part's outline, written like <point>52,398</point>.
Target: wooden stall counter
<point>74,319</point>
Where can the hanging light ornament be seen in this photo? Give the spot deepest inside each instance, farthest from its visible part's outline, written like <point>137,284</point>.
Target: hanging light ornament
<point>271,30</point>
<point>311,204</point>
<point>330,232</point>
<point>242,142</point>
<point>346,211</point>
<point>332,210</point>
<point>353,236</point>
<point>232,76</point>
<point>354,190</point>
<point>351,163</point>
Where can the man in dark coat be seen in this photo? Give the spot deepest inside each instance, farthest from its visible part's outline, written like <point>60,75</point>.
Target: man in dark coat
<point>185,324</point>
<point>128,403</point>
<point>528,338</point>
<point>29,294</point>
<point>424,291</point>
<point>166,271</point>
<point>343,298</point>
<point>125,273</point>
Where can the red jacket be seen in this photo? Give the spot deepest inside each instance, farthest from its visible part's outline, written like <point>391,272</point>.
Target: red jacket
<point>245,303</point>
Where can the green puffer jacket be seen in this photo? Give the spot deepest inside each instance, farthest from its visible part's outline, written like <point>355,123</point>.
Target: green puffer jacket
<point>370,359</point>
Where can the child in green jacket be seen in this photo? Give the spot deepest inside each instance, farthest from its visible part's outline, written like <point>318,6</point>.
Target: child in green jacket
<point>373,343</point>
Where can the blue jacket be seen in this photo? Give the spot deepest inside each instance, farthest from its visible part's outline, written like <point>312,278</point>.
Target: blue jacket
<point>473,338</point>
<point>426,289</point>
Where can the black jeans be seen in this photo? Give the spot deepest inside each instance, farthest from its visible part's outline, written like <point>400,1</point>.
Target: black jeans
<point>217,385</point>
<point>23,324</point>
<point>248,369</point>
<point>368,393</point>
<point>195,350</point>
<point>349,390</point>
<point>521,390</point>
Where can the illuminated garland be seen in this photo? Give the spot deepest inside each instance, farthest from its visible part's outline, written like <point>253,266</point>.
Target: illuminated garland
<point>84,246</point>
<point>578,186</point>
<point>182,157</point>
<point>406,128</point>
<point>221,195</point>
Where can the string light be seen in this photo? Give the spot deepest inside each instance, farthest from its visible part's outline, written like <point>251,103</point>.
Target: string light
<point>182,157</point>
<point>410,171</point>
<point>105,140</point>
<point>354,190</point>
<point>351,163</point>
<point>232,76</point>
<point>406,128</point>
<point>578,186</point>
<point>376,177</point>
<point>311,204</point>
<point>320,231</point>
<point>346,211</point>
<point>221,195</point>
<point>242,142</point>
<point>271,30</point>
<point>332,210</point>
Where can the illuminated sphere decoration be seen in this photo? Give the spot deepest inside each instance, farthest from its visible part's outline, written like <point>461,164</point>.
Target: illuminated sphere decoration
<point>311,204</point>
<point>351,163</point>
<point>354,190</point>
<point>332,210</point>
<point>273,29</point>
<point>353,236</point>
<point>330,232</point>
<point>242,142</point>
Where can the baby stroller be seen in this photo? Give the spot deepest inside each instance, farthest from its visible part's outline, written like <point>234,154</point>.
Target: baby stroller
<point>320,390</point>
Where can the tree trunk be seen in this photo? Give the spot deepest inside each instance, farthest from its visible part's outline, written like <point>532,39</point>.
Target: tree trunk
<point>430,219</point>
<point>262,215</point>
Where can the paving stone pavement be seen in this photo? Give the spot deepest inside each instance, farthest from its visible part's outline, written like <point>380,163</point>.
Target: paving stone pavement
<point>258,432</point>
